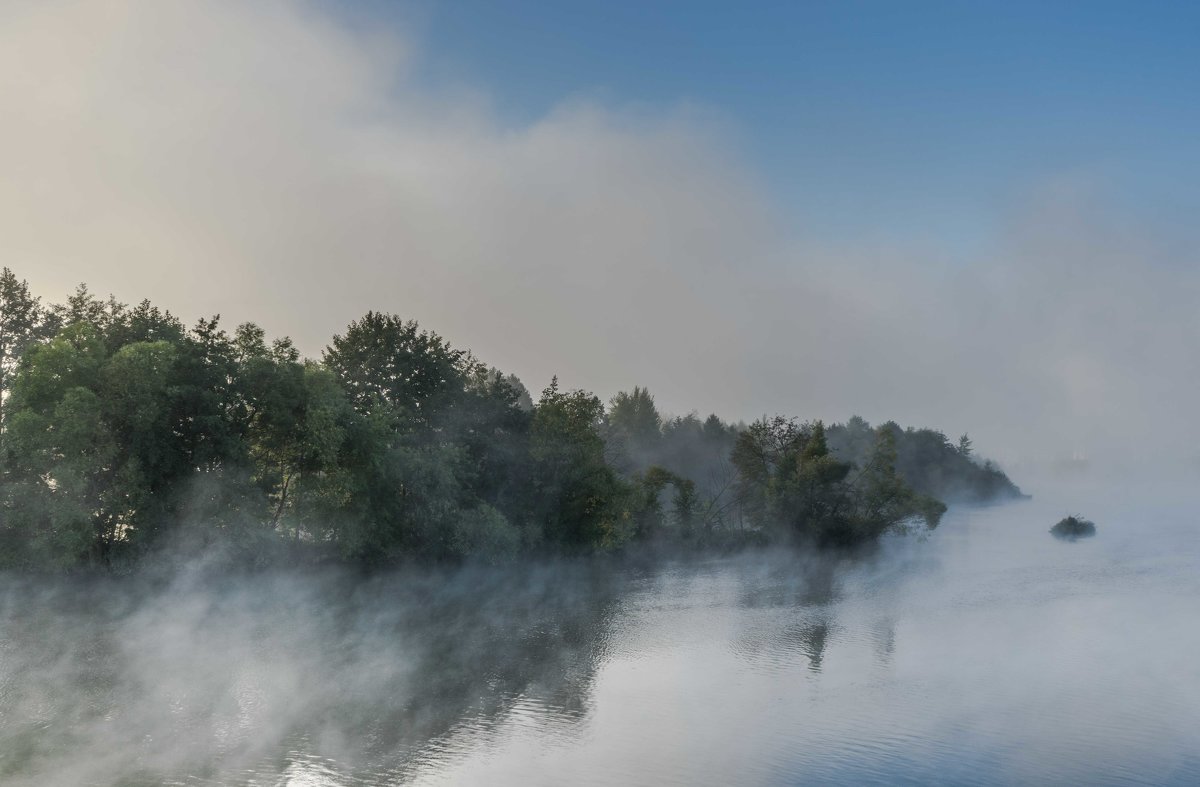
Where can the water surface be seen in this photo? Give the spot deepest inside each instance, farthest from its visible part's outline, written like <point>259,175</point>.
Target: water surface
<point>985,653</point>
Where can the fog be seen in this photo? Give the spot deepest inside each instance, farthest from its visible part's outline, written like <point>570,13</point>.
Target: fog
<point>206,677</point>
<point>279,162</point>
<point>985,652</point>
<point>290,163</point>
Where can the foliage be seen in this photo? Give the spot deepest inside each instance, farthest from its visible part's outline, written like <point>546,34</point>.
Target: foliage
<point>1070,528</point>
<point>789,479</point>
<point>382,360</point>
<point>634,429</point>
<point>882,498</point>
<point>576,497</point>
<point>927,461</point>
<point>123,433</point>
<point>484,533</point>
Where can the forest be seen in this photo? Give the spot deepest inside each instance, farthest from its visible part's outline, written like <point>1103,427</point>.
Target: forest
<point>125,434</point>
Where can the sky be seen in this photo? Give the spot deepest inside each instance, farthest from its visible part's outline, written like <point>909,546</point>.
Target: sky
<point>926,117</point>
<point>972,216</point>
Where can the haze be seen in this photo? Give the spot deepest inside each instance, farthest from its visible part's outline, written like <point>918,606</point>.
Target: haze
<point>383,555</point>
<point>988,653</point>
<point>299,163</point>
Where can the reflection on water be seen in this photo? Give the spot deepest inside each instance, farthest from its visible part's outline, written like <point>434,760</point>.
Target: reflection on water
<point>312,678</point>
<point>988,653</point>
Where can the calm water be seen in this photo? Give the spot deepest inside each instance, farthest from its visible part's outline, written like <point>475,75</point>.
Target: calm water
<point>986,653</point>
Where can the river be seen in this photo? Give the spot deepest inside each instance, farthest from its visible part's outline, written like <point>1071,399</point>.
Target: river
<point>985,652</point>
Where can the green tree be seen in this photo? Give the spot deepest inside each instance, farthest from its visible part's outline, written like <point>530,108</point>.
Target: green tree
<point>634,429</point>
<point>130,437</point>
<point>271,415</point>
<point>440,435</point>
<point>758,456</point>
<point>384,360</point>
<point>576,497</point>
<point>83,307</point>
<point>491,424</point>
<point>485,534</point>
<point>21,323</point>
<point>651,517</point>
<point>882,499</point>
<point>58,451</point>
<point>335,442</point>
<point>788,478</point>
<point>123,431</point>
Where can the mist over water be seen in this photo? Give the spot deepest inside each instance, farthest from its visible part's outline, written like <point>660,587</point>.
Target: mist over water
<point>988,652</point>
<point>972,217</point>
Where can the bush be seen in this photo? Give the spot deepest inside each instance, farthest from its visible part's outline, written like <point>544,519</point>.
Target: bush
<point>1072,527</point>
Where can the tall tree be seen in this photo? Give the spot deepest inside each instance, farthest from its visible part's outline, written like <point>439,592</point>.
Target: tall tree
<point>882,500</point>
<point>382,359</point>
<point>635,427</point>
<point>270,412</point>
<point>576,495</point>
<point>59,453</point>
<point>21,321</point>
<point>788,478</point>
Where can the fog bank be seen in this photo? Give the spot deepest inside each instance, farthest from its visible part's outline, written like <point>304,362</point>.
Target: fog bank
<point>274,161</point>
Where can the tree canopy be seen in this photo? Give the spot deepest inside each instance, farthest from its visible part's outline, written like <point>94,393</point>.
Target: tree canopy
<point>124,433</point>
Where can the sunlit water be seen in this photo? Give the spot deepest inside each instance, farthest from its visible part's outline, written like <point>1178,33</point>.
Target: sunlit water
<point>986,653</point>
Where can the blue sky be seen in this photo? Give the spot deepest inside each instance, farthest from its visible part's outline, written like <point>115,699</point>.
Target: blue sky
<point>875,119</point>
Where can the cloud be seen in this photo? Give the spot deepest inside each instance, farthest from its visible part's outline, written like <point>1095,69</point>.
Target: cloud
<point>269,162</point>
<point>260,161</point>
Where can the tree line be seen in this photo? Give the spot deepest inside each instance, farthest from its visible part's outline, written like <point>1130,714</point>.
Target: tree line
<point>124,433</point>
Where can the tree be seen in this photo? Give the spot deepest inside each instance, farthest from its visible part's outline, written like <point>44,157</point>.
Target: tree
<point>142,323</point>
<point>789,479</point>
<point>575,496</point>
<point>83,307</point>
<point>485,534</point>
<point>758,455</point>
<point>405,498</point>
<point>123,431</point>
<point>130,423</point>
<point>21,322</point>
<point>440,436</point>
<point>927,461</point>
<point>382,359</point>
<point>271,409</point>
<point>635,428</point>
<point>58,452</point>
<point>491,424</point>
<point>649,515</point>
<point>335,441</point>
<point>882,499</point>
